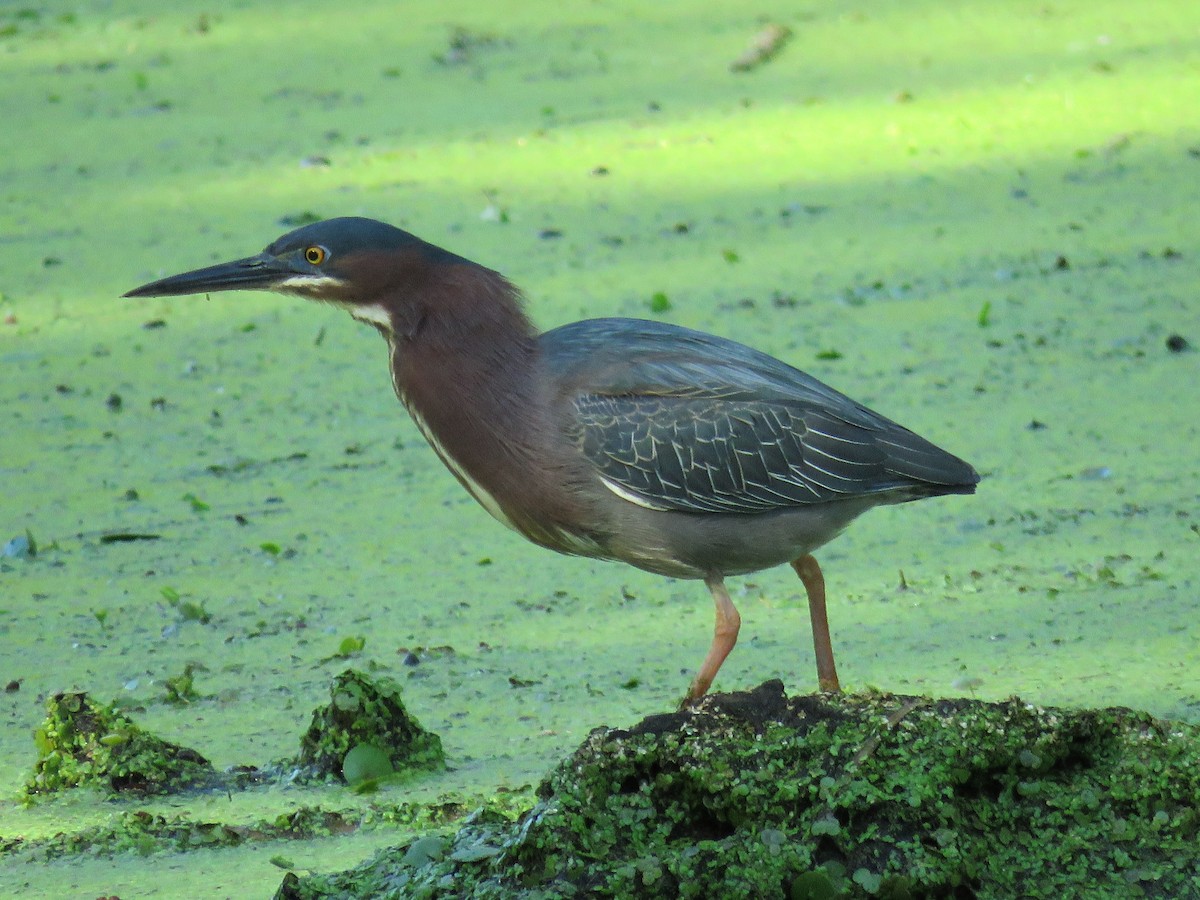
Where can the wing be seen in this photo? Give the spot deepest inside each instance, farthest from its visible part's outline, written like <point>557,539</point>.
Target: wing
<point>722,455</point>
<point>675,419</point>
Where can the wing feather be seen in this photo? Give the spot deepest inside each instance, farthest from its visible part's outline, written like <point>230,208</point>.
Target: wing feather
<point>676,419</point>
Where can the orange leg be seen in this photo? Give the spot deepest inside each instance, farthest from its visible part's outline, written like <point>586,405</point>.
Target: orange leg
<point>814,582</point>
<point>724,637</point>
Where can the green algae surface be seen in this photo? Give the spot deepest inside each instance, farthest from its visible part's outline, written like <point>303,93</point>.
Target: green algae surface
<point>978,219</point>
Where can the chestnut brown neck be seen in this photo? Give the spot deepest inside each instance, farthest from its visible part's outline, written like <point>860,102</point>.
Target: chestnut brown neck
<point>465,363</point>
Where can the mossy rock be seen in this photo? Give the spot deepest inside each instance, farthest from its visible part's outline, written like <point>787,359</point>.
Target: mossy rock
<point>83,743</point>
<point>365,720</point>
<point>758,795</point>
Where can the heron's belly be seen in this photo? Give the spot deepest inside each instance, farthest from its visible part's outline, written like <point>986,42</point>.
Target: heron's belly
<point>694,545</point>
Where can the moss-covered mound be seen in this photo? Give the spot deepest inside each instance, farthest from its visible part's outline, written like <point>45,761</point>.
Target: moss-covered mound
<point>365,732</point>
<point>759,795</point>
<point>83,743</point>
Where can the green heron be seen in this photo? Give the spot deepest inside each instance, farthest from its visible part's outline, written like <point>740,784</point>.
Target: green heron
<point>675,451</point>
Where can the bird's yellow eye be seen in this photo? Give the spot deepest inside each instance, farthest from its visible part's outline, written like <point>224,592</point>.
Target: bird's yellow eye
<point>315,255</point>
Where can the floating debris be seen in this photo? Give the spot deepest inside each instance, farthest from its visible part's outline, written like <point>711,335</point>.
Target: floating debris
<point>126,537</point>
<point>23,546</point>
<point>766,44</point>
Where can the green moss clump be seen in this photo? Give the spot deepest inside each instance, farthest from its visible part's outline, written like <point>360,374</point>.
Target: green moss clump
<point>365,712</point>
<point>759,795</point>
<point>82,743</point>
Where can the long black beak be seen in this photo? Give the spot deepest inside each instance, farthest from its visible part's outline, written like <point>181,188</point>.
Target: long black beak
<point>254,273</point>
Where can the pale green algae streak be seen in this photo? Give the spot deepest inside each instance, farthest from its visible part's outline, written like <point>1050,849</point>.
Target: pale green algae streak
<point>876,795</point>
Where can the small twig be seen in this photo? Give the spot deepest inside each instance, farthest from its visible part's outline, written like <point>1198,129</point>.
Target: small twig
<point>869,748</point>
<point>766,44</point>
